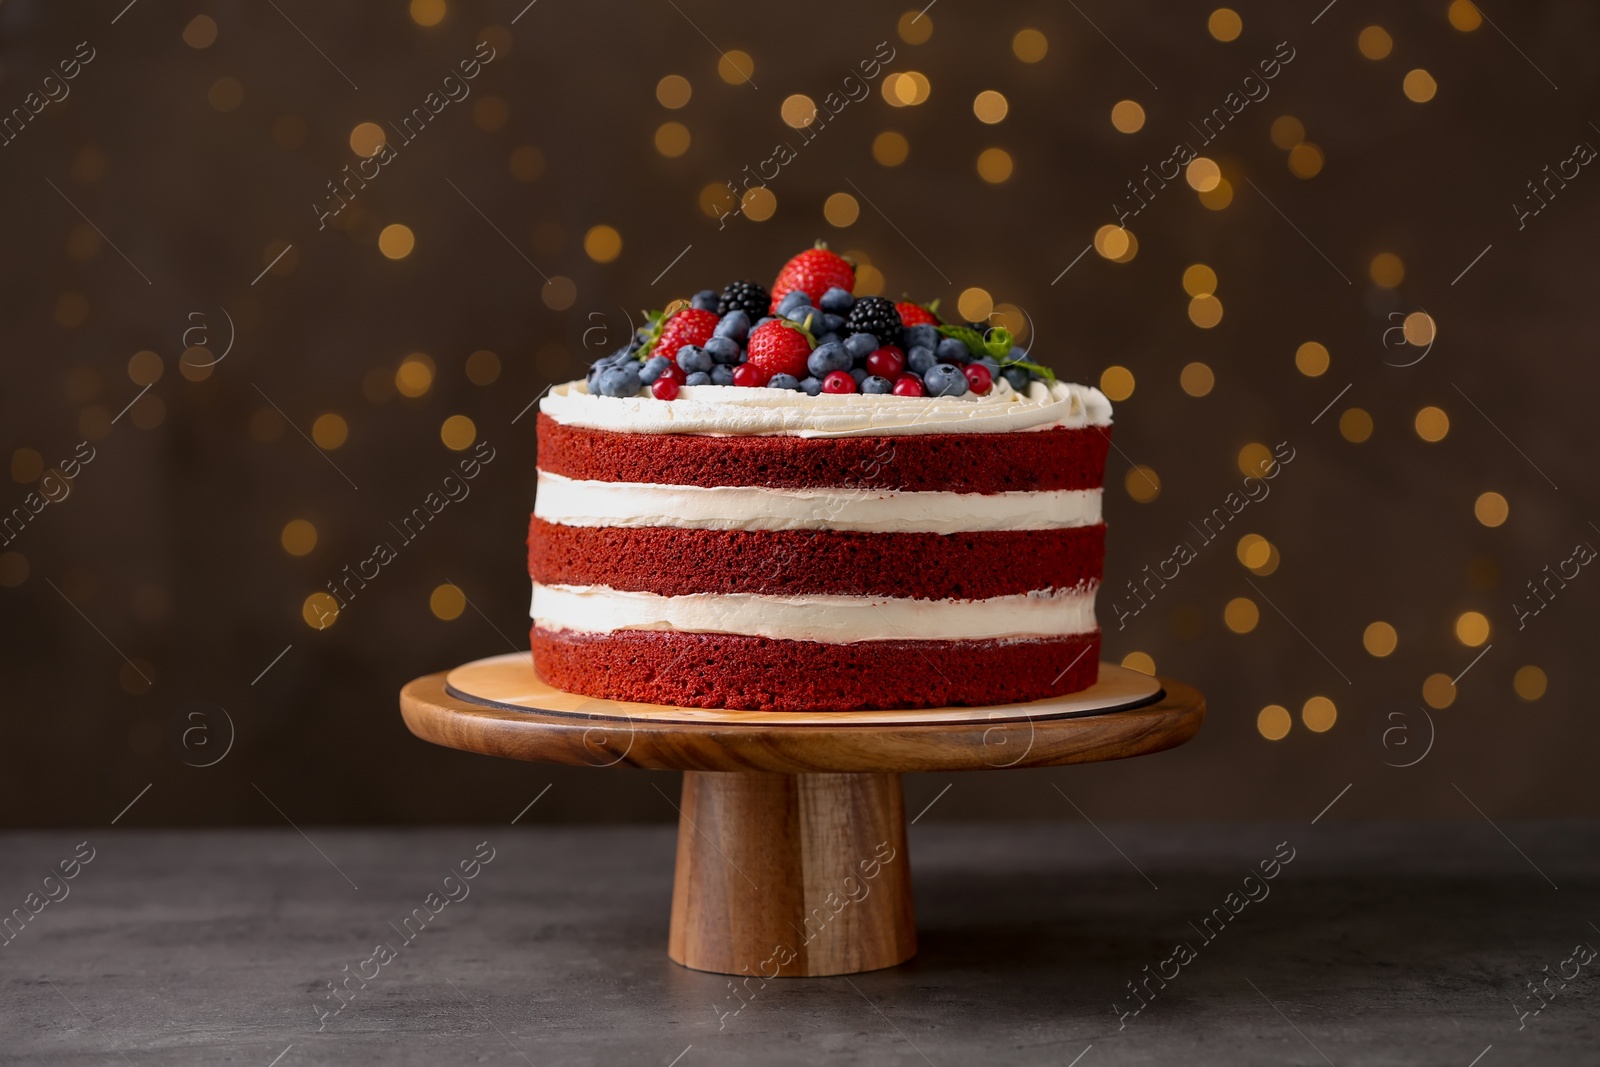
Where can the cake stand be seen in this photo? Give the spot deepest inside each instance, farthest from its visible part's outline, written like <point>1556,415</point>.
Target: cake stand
<point>792,853</point>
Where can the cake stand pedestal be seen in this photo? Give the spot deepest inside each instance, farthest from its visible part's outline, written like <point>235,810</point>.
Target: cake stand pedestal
<point>792,855</point>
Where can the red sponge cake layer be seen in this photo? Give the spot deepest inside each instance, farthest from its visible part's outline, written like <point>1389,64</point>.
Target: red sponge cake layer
<point>704,670</point>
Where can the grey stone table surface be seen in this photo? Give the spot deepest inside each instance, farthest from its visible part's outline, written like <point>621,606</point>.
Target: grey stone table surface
<point>1371,944</point>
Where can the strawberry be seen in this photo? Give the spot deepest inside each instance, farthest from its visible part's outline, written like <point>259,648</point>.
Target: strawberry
<point>779,347</point>
<point>917,315</point>
<point>690,326</point>
<point>813,272</point>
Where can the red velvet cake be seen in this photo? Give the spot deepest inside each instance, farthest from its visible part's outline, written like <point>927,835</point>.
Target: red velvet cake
<point>800,500</point>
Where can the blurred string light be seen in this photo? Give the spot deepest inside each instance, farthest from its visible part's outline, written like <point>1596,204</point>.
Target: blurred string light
<point>906,88</point>
<point>672,139</point>
<point>414,377</point>
<point>1199,280</point>
<point>447,602</point>
<point>1419,86</point>
<point>483,367</point>
<point>490,113</point>
<point>298,537</point>
<point>1305,160</point>
<point>975,304</point>
<point>1379,639</point>
<point>1464,16</point>
<point>1287,131</point>
<point>1312,359</point>
<point>201,32</point>
<point>915,27</point>
<point>1113,242</point>
<point>1529,682</point>
<point>330,431</point>
<point>1472,628</point>
<point>366,138</point>
<point>145,368</point>
<point>1438,690</point>
<point>1117,382</point>
<point>1419,329</point>
<point>994,165</point>
<point>1273,722</point>
<point>602,243</point>
<point>1387,270</point>
<point>1375,42</point>
<point>990,106</point>
<point>1241,615</point>
<point>758,204</point>
<point>1355,425</point>
<point>1432,424</point>
<point>798,111</point>
<point>1491,509</point>
<point>1127,116</point>
<point>427,12</point>
<point>225,95</point>
<point>890,148</point>
<point>396,241</point>
<point>458,432</point>
<point>736,68</point>
<point>841,210</point>
<point>1142,484</point>
<point>1255,460</point>
<point>1139,661</point>
<point>1029,45</point>
<point>673,91</point>
<point>1319,714</point>
<point>1196,379</point>
<point>1205,311</point>
<point>319,610</point>
<point>559,293</point>
<point>1225,24</point>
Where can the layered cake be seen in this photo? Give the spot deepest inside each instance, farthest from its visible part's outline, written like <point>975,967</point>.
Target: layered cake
<point>797,500</point>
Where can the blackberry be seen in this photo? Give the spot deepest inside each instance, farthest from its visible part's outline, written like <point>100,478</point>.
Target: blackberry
<point>748,297</point>
<point>877,316</point>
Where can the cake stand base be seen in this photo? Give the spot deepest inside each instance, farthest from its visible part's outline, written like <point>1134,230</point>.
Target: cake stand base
<point>783,875</point>
<point>791,832</point>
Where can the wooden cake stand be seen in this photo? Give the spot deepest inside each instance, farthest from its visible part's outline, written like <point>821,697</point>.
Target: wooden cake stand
<point>792,835</point>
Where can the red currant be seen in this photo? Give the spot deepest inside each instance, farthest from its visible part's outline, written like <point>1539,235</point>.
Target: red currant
<point>887,362</point>
<point>838,381</point>
<point>909,385</point>
<point>672,372</point>
<point>664,388</point>
<point>978,378</point>
<point>748,374</point>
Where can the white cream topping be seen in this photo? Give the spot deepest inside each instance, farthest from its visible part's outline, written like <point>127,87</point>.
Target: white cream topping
<point>734,410</point>
<point>582,502</point>
<point>832,619</point>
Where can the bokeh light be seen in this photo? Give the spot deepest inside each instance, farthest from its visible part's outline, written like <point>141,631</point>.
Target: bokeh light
<point>1375,42</point>
<point>330,431</point>
<point>1205,311</point>
<point>1225,24</point>
<point>1142,484</point>
<point>975,304</point>
<point>1491,509</point>
<point>1464,16</point>
<point>1273,722</point>
<point>841,209</point>
<point>994,165</point>
<point>736,68</point>
<point>1287,131</point>
<point>1196,379</point>
<point>673,91</point>
<point>890,148</point>
<point>672,139</point>
<point>1432,424</point>
<point>1529,682</point>
<point>396,241</point>
<point>1241,615</point>
<point>1141,662</point>
<point>990,106</point>
<point>1355,425</point>
<point>798,110</point>
<point>1117,382</point>
<point>414,376</point>
<point>1438,691</point>
<point>458,432</point>
<point>1387,270</point>
<point>1472,628</point>
<point>1199,280</point>
<point>1127,116</point>
<point>298,537</point>
<point>447,602</point>
<point>1379,639</point>
<point>602,243</point>
<point>1312,359</point>
<point>1029,45</point>
<point>1419,86</point>
<point>1319,714</point>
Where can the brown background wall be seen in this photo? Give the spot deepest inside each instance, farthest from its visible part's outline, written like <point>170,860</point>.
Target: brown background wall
<point>173,175</point>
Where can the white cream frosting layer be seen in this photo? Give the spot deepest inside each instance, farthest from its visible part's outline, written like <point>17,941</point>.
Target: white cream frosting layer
<point>831,619</point>
<point>583,502</point>
<point>734,410</point>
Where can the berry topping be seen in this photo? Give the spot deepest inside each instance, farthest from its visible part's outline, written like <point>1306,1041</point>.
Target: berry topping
<point>917,315</point>
<point>837,300</point>
<point>749,375</point>
<point>838,382</point>
<point>953,350</point>
<point>909,385</point>
<point>693,358</point>
<point>735,325</point>
<point>874,384</point>
<point>690,326</point>
<point>877,316</point>
<point>827,357</point>
<point>860,345</point>
<point>814,272</point>
<point>705,300</point>
<point>979,378</point>
<point>743,296</point>
<point>945,380</point>
<point>664,389</point>
<point>783,381</point>
<point>674,373</point>
<point>887,362</point>
<point>779,348</point>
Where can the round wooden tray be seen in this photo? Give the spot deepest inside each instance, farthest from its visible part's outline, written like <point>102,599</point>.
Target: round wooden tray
<point>791,832</point>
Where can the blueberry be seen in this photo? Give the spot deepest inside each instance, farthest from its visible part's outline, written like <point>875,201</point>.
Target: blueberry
<point>794,298</point>
<point>721,375</point>
<point>828,357</point>
<point>924,334</point>
<point>618,381</point>
<point>860,344</point>
<point>693,358</point>
<point>829,338</point>
<point>723,349</point>
<point>783,381</point>
<point>944,380</point>
<point>953,350</point>
<point>1017,354</point>
<point>874,384</point>
<point>1017,377</point>
<point>699,377</point>
<point>763,321</point>
<point>705,300</point>
<point>831,323</point>
<point>920,358</point>
<point>859,374</point>
<point>989,362</point>
<point>735,324</point>
<point>811,386</point>
<point>652,369</point>
<point>837,300</point>
<point>801,313</point>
